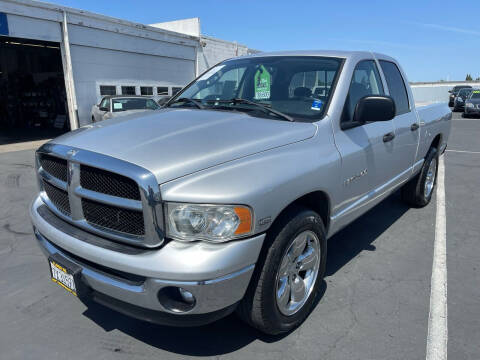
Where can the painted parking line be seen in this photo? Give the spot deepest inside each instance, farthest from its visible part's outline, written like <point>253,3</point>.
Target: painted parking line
<point>464,151</point>
<point>437,319</point>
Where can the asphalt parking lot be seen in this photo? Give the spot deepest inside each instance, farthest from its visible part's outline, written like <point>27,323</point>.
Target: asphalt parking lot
<point>374,304</point>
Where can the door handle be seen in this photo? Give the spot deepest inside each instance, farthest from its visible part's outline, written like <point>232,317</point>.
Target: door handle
<point>414,127</point>
<point>388,137</point>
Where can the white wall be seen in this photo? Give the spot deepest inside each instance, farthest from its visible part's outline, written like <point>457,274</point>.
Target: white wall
<point>93,67</point>
<point>212,51</point>
<point>105,58</point>
<point>185,26</point>
<point>435,92</point>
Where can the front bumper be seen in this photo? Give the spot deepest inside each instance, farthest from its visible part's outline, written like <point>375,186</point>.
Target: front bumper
<point>129,279</point>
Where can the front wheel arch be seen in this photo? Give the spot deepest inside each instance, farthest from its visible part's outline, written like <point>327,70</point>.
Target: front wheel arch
<point>317,201</point>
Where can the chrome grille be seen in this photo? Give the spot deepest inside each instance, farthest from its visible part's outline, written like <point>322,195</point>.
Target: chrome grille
<point>121,201</point>
<point>58,197</point>
<point>112,217</point>
<point>108,183</point>
<point>54,166</point>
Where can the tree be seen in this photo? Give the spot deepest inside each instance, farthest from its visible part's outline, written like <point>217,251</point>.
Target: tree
<point>468,77</point>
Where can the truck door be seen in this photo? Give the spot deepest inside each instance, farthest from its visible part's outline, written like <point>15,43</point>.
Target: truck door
<point>405,122</point>
<point>366,149</point>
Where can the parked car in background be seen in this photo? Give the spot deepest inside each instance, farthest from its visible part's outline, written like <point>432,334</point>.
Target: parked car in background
<point>472,104</point>
<point>224,199</point>
<point>454,91</point>
<point>113,106</point>
<point>459,102</point>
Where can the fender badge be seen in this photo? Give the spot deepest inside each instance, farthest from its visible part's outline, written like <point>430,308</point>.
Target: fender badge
<point>264,221</point>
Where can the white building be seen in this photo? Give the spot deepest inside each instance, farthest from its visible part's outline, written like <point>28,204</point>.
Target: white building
<point>56,62</point>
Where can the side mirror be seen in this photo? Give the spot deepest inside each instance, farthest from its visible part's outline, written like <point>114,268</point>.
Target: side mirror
<point>164,100</point>
<point>374,108</point>
<point>103,109</point>
<point>450,91</point>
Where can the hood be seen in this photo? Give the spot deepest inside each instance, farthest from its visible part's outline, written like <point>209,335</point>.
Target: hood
<point>176,142</point>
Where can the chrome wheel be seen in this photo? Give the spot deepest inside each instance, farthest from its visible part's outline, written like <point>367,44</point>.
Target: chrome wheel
<point>430,179</point>
<point>298,272</point>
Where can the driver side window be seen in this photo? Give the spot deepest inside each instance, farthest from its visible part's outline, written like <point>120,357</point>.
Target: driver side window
<point>365,81</point>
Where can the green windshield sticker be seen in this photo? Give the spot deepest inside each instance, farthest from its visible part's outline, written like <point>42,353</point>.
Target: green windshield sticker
<point>476,92</point>
<point>263,81</point>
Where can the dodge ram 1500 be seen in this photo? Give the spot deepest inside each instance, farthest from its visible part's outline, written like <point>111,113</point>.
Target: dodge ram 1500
<point>224,199</point>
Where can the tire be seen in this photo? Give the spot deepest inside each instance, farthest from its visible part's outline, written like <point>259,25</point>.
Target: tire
<point>415,193</point>
<point>464,115</point>
<point>259,308</point>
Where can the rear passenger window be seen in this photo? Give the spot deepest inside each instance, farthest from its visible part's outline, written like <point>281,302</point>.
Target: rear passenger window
<point>396,86</point>
<point>365,81</point>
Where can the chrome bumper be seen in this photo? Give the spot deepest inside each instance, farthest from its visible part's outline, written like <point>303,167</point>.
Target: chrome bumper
<point>216,274</point>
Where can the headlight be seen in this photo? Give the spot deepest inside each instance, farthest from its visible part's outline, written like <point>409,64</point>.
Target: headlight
<point>215,223</point>
<point>469,105</point>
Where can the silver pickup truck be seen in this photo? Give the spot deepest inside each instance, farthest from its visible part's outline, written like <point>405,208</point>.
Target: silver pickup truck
<point>224,200</point>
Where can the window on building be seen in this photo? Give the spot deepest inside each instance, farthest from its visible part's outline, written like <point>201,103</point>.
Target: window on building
<point>175,90</point>
<point>396,86</point>
<point>162,90</point>
<point>146,90</point>
<point>108,90</point>
<point>128,90</point>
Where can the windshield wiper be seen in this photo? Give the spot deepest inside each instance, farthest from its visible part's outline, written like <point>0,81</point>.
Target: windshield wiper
<point>263,107</point>
<point>198,104</point>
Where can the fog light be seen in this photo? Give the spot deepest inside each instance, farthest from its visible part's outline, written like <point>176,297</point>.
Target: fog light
<point>187,296</point>
<point>176,299</point>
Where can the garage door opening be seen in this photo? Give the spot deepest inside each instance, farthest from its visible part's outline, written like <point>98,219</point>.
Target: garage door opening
<point>33,103</point>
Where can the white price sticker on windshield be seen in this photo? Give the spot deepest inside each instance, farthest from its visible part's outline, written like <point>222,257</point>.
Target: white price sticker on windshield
<point>117,106</point>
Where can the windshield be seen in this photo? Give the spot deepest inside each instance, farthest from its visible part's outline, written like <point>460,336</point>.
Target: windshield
<point>298,86</point>
<point>475,94</point>
<point>464,92</point>
<point>124,104</point>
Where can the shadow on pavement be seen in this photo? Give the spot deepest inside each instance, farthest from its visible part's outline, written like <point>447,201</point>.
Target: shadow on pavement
<point>230,334</point>
<point>359,235</point>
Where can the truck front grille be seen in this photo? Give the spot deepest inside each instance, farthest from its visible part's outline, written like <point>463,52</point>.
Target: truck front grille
<point>112,217</point>
<point>119,201</point>
<point>109,183</point>
<point>55,166</point>
<point>58,197</point>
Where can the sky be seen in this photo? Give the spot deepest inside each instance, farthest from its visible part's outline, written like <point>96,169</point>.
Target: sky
<point>432,40</point>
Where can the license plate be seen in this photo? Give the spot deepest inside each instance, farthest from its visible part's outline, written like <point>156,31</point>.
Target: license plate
<point>64,273</point>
